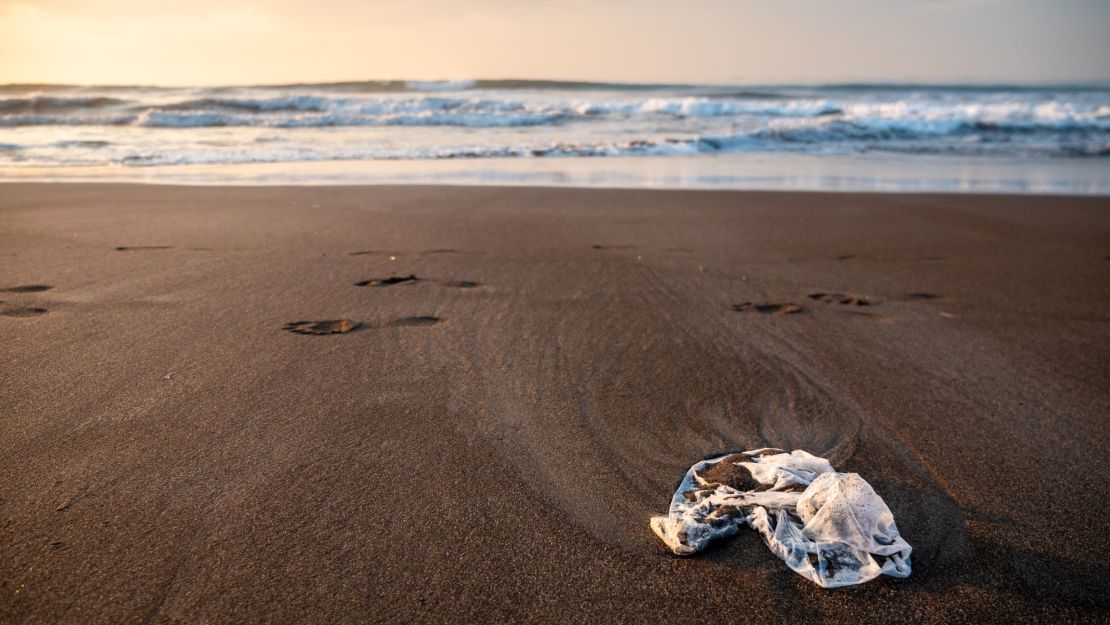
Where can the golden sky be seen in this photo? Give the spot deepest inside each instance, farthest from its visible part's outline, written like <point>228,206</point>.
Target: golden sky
<point>739,41</point>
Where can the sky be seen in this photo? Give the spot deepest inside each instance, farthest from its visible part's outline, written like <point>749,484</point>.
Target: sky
<point>212,42</point>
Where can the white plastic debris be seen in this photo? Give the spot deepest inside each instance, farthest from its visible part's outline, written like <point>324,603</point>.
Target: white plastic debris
<point>831,528</point>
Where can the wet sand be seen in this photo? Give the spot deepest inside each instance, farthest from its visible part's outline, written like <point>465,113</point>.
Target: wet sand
<point>182,440</point>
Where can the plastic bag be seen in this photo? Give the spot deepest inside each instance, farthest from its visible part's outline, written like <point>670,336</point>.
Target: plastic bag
<point>831,528</point>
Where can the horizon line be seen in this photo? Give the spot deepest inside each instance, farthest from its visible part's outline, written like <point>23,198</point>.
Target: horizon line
<point>472,83</point>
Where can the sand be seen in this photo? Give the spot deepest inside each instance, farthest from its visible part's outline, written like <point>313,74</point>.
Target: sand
<point>486,442</point>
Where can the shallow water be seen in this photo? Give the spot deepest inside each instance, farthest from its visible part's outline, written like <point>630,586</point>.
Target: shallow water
<point>733,171</point>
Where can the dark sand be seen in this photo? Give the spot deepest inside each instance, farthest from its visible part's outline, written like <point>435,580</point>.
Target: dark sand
<point>488,445</point>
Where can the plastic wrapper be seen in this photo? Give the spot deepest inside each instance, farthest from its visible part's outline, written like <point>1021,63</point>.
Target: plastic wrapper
<point>831,528</point>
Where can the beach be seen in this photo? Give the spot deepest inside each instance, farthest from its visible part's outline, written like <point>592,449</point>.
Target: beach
<point>489,442</point>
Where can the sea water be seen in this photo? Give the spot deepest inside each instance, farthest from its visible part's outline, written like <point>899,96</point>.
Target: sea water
<point>1026,139</point>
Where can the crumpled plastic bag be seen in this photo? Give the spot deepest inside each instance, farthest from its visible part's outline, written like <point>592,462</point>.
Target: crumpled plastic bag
<point>829,527</point>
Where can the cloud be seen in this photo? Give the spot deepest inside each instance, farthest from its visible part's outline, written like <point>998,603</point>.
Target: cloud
<point>962,5</point>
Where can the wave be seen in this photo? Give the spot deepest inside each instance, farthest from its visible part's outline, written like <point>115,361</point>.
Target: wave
<point>703,107</point>
<point>149,158</point>
<point>465,119</point>
<point>65,120</point>
<point>54,104</point>
<point>792,121</point>
<point>667,146</point>
<point>484,119</point>
<point>442,104</point>
<point>89,144</point>
<point>251,105</point>
<point>755,142</point>
<point>440,85</point>
<point>681,107</point>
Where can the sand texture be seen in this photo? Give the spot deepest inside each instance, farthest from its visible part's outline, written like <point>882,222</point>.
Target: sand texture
<point>437,404</point>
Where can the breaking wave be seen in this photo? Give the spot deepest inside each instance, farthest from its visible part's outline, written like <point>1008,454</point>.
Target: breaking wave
<point>898,117</point>
<point>518,118</point>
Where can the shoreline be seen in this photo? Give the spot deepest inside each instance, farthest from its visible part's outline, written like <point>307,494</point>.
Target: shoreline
<point>491,442</point>
<point>736,172</point>
<point>406,187</point>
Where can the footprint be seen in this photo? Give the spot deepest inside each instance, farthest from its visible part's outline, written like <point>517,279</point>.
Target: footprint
<point>891,259</point>
<point>318,328</point>
<point>463,284</point>
<point>28,288</point>
<point>409,279</point>
<point>769,309</point>
<point>344,326</point>
<point>135,248</point>
<point>412,279</point>
<point>23,311</point>
<point>846,299</point>
<point>424,320</point>
<point>402,253</point>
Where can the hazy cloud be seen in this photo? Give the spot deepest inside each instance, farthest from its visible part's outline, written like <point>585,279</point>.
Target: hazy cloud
<point>252,41</point>
<point>962,5</point>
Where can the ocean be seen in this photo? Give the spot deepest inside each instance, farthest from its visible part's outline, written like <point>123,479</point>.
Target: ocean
<point>1047,139</point>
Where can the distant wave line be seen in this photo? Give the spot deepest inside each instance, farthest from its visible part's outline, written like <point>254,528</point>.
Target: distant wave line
<point>572,85</point>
